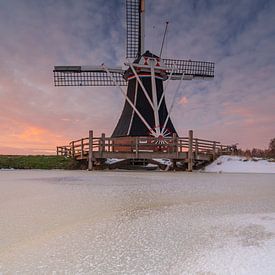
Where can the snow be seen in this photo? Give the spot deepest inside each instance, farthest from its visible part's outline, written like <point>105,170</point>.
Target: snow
<point>235,164</point>
<point>113,160</point>
<point>113,222</point>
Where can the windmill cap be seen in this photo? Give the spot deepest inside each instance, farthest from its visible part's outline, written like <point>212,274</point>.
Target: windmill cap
<point>146,54</point>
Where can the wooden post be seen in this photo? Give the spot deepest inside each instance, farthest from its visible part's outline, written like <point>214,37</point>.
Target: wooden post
<point>137,141</point>
<point>102,144</point>
<point>82,149</point>
<point>196,148</point>
<point>180,145</point>
<point>90,156</point>
<point>57,151</point>
<point>175,144</point>
<point>190,151</point>
<point>214,149</point>
<point>72,148</point>
<point>109,145</point>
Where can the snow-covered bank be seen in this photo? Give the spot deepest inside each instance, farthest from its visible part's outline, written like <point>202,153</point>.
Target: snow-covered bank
<point>79,222</point>
<point>235,164</point>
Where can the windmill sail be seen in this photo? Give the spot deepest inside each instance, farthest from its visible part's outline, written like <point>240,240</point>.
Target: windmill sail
<point>135,28</point>
<point>87,76</point>
<point>191,69</point>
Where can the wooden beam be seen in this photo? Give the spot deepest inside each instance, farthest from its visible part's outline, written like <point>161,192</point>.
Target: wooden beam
<point>196,148</point>
<point>214,150</point>
<point>72,149</point>
<point>190,151</point>
<point>137,147</point>
<point>82,148</point>
<point>102,143</point>
<point>90,156</point>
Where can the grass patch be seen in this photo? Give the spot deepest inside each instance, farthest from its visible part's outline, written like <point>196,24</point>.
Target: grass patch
<point>38,162</point>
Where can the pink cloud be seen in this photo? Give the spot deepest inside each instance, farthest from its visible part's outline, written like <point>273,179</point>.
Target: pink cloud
<point>183,101</point>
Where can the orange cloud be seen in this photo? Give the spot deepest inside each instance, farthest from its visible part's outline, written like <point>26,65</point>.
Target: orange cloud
<point>29,139</point>
<point>34,134</point>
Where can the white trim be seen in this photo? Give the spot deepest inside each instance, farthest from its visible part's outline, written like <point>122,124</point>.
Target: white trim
<point>142,66</point>
<point>172,105</point>
<point>144,76</point>
<point>164,90</point>
<point>129,101</point>
<point>142,86</point>
<point>155,99</point>
<point>133,112</point>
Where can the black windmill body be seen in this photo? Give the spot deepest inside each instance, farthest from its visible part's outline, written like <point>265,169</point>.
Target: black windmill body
<point>145,112</point>
<point>130,123</point>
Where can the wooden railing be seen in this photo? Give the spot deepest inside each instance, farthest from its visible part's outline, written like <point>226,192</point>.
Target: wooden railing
<point>86,148</point>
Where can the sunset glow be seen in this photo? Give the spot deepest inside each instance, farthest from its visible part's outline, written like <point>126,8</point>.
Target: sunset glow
<point>238,106</point>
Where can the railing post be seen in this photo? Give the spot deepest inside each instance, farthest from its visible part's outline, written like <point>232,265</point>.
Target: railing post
<point>109,141</point>
<point>82,149</point>
<point>190,151</point>
<point>137,141</point>
<point>57,151</point>
<point>175,144</point>
<point>214,149</point>
<point>102,143</point>
<point>90,156</point>
<point>72,148</point>
<point>196,148</point>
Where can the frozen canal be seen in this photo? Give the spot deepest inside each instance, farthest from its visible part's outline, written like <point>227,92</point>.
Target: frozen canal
<point>79,222</point>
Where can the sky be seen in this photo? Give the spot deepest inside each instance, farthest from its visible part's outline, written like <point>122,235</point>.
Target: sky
<point>237,106</point>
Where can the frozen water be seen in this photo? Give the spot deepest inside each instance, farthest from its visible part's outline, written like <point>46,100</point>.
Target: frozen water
<point>136,222</point>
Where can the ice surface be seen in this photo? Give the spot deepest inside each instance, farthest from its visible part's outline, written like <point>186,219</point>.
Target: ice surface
<point>237,164</point>
<point>79,222</point>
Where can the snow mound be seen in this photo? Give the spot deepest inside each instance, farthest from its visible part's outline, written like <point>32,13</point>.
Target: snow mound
<point>235,164</point>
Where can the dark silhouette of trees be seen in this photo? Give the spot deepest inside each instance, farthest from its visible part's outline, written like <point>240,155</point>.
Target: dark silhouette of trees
<point>271,148</point>
<point>259,153</point>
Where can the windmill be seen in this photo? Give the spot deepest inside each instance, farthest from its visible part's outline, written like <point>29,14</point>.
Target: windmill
<point>145,112</point>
